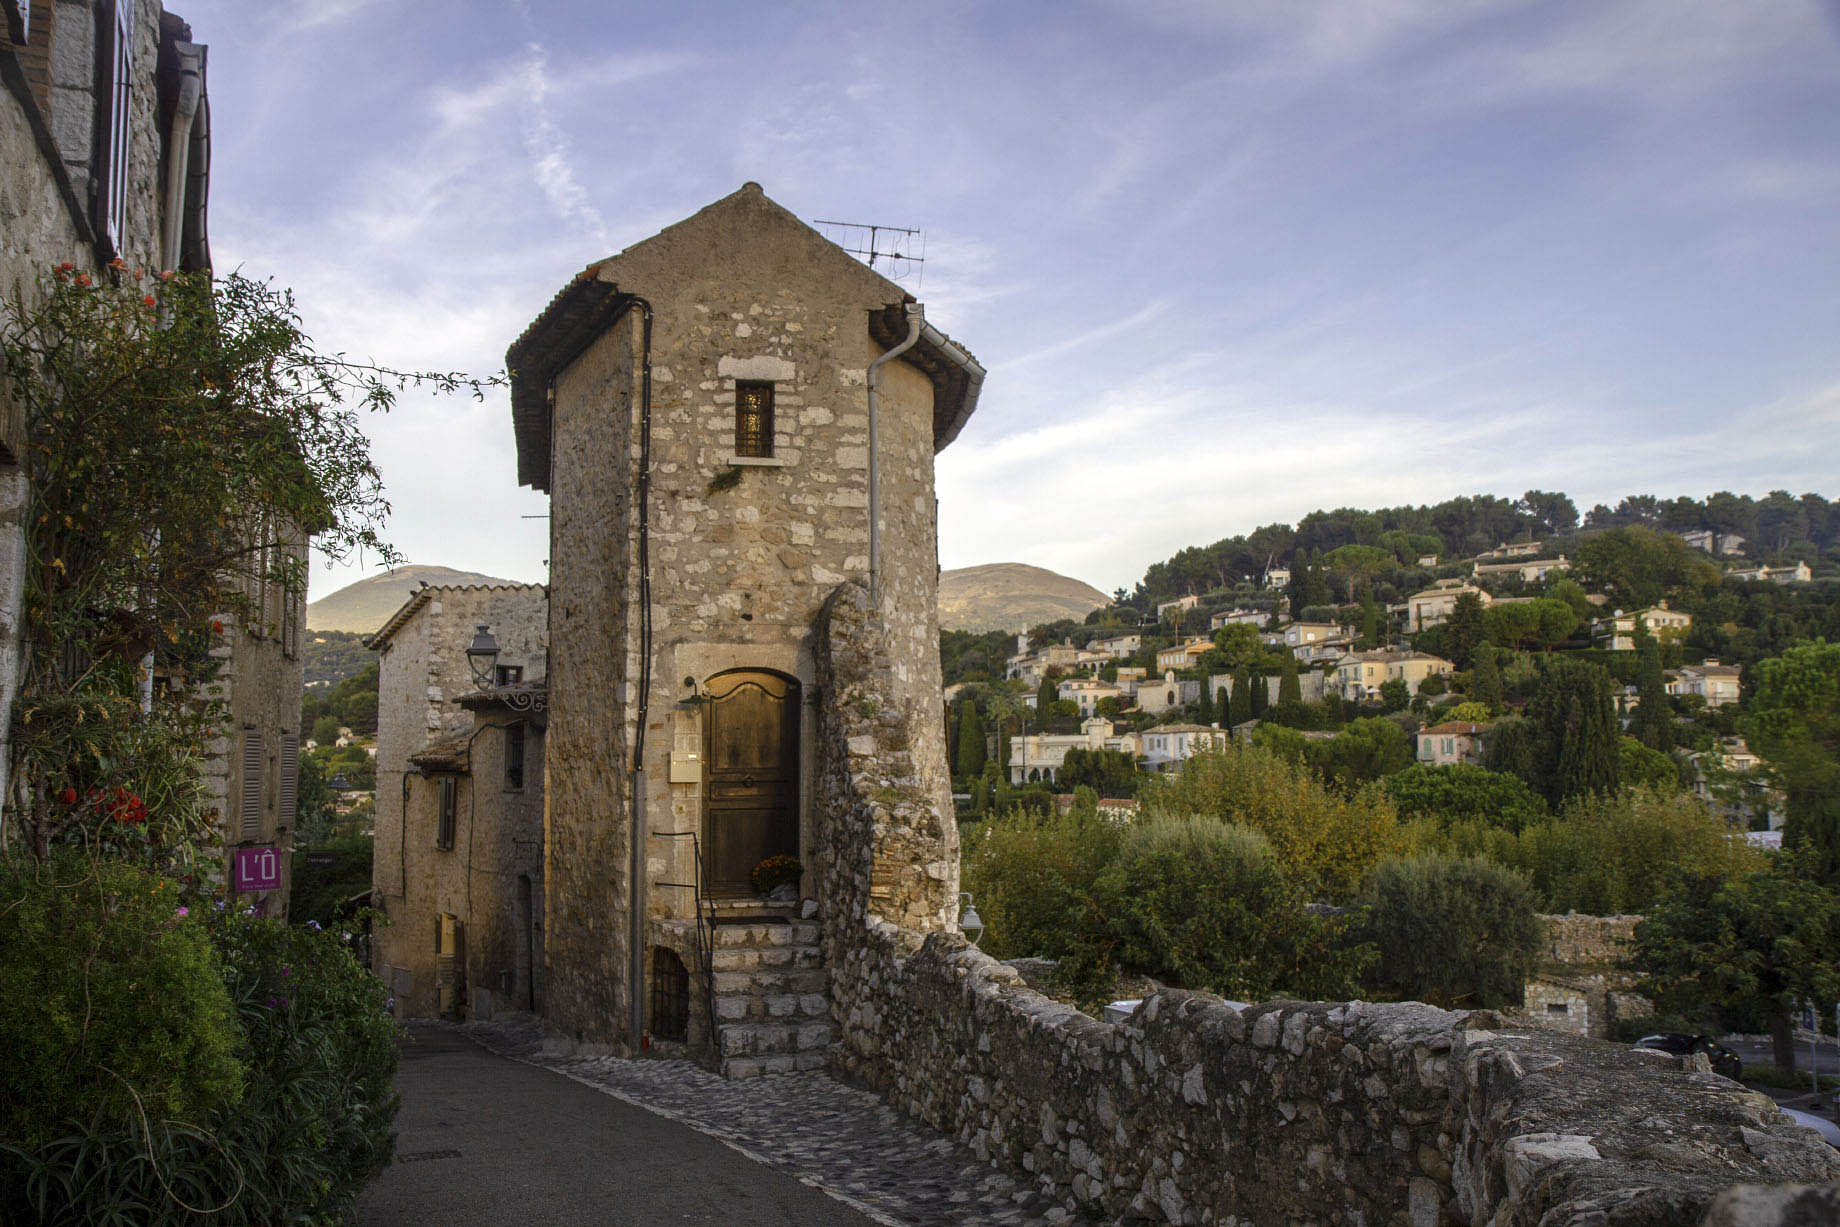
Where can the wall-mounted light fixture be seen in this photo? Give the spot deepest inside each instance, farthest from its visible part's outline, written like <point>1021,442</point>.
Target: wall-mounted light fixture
<point>969,922</point>
<point>482,656</point>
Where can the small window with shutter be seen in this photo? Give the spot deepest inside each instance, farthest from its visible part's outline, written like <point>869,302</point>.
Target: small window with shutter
<point>444,822</point>
<point>514,758</point>
<point>290,779</point>
<point>753,418</point>
<point>252,783</point>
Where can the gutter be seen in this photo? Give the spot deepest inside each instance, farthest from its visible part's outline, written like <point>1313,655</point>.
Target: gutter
<point>179,149</point>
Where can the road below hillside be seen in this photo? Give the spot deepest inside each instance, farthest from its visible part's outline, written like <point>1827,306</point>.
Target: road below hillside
<point>483,1139</point>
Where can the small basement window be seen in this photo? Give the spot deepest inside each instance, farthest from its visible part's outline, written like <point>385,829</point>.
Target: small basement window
<point>670,995</point>
<point>753,418</point>
<point>1558,1008</point>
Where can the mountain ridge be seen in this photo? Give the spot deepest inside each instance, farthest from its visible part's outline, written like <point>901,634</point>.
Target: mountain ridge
<point>364,606</point>
<point>1011,596</point>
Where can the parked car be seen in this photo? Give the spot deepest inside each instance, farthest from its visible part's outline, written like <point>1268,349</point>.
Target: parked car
<point>1724,1061</point>
<point>1830,1132</point>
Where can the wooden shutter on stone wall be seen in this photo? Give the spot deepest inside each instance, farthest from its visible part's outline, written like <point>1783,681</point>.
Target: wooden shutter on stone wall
<point>290,778</point>
<point>252,783</point>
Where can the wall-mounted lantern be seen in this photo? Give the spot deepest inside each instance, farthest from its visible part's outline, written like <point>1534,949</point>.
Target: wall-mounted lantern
<point>482,656</point>
<point>969,922</point>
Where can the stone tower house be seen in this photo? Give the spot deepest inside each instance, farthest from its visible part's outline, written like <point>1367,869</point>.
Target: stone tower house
<point>697,407</point>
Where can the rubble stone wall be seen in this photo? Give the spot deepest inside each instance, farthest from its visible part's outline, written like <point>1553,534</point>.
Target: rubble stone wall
<point>1193,1111</point>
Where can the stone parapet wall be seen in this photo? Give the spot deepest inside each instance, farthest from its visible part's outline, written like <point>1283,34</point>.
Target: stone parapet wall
<point>1193,1111</point>
<point>1575,940</point>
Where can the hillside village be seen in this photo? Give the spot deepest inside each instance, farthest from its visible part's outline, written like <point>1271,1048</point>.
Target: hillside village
<point>1158,678</point>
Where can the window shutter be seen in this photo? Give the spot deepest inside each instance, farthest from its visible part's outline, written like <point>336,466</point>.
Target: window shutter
<point>290,777</point>
<point>252,783</point>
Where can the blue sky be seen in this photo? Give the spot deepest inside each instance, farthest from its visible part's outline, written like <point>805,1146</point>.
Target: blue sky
<point>1226,262</point>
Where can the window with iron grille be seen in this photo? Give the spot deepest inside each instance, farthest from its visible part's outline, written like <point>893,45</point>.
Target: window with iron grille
<point>449,803</point>
<point>670,995</point>
<point>753,418</point>
<point>514,757</point>
<point>111,203</point>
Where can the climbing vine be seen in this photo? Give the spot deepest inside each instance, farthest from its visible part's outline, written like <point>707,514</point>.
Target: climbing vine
<point>183,438</point>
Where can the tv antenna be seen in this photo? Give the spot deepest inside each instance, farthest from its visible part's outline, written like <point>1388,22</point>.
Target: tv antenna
<point>897,252</point>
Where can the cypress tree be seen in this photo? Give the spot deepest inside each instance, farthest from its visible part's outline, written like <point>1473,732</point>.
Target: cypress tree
<point>1654,717</point>
<point>1370,619</point>
<point>1575,722</point>
<point>1045,696</point>
<point>1290,689</point>
<point>1261,694</point>
<point>971,752</point>
<point>953,715</point>
<point>1465,629</point>
<point>1240,710</point>
<point>1485,677</point>
<point>1225,697</point>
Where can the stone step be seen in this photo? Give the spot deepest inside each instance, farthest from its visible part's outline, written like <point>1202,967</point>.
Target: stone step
<point>761,1039</point>
<point>770,980</point>
<point>772,1007</point>
<point>802,933</point>
<point>779,958</point>
<point>779,1063</point>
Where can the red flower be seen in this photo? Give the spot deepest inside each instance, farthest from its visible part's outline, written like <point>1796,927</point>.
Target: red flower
<point>126,808</point>
<point>65,267</point>
<point>82,278</point>
<point>217,628</point>
<point>68,796</point>
<point>147,301</point>
<point>118,262</point>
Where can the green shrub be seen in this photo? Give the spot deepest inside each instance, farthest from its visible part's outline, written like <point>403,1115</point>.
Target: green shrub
<point>1203,905</point>
<point>314,1127</point>
<point>112,1003</point>
<point>1463,791</point>
<point>324,892</point>
<point>1452,932</point>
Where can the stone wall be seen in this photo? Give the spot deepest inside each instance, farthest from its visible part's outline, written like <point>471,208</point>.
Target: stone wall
<point>1581,985</point>
<point>1193,1111</point>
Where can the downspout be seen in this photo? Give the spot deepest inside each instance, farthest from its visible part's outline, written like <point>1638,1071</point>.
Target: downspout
<point>179,149</point>
<point>635,920</point>
<point>916,318</point>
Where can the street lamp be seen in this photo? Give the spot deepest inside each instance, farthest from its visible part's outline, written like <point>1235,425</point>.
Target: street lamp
<point>969,922</point>
<point>482,655</point>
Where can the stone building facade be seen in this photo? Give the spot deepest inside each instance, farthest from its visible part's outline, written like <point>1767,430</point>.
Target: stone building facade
<point>458,833</point>
<point>1582,983</point>
<point>695,537</point>
<point>104,153</point>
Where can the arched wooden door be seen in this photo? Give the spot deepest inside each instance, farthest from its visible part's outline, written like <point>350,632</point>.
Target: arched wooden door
<point>751,797</point>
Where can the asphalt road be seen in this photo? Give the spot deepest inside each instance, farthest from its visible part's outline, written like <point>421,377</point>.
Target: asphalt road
<point>486,1140</point>
<point>1754,1053</point>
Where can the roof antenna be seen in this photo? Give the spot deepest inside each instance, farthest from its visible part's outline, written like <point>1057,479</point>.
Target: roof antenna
<point>890,250</point>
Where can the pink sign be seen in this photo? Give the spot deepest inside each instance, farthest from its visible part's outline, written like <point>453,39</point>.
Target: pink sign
<point>257,869</point>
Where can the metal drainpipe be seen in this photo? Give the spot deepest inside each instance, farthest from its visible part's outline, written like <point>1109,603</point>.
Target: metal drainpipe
<point>635,920</point>
<point>916,316</point>
<point>178,153</point>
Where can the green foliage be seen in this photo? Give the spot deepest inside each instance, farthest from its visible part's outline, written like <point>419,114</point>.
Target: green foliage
<point>1464,792</point>
<point>111,1001</point>
<point>1239,709</point>
<point>325,730</point>
<point>1367,750</point>
<point>1464,629</point>
<point>1290,687</point>
<point>325,884</point>
<point>1639,566</point>
<point>1326,839</point>
<point>972,749</point>
<point>1604,855</point>
<point>329,657</point>
<point>1485,682</point>
<point>1539,623</point>
<point>1203,905</point>
<point>1193,902</point>
<point>774,872</point>
<point>1576,734</point>
<point>1795,726</point>
<point>1395,695</point>
<point>1454,932</point>
<point>1640,767</point>
<point>1653,724</point>
<point>1744,951</point>
<point>352,703</point>
<point>315,1123</point>
<point>1109,773</point>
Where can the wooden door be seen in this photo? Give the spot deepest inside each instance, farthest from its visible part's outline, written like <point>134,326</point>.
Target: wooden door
<point>751,800</point>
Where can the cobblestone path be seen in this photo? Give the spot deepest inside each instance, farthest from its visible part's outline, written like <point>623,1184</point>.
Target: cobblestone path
<point>830,1136</point>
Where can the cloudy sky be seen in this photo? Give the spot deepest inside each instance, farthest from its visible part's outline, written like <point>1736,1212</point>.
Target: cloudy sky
<point>1227,261</point>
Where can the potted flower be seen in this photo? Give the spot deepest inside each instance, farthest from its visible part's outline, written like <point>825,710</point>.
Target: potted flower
<point>777,877</point>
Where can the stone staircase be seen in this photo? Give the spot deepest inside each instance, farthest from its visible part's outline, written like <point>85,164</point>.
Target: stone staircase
<point>772,999</point>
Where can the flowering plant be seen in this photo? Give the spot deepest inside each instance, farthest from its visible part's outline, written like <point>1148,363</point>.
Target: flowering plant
<point>776,871</point>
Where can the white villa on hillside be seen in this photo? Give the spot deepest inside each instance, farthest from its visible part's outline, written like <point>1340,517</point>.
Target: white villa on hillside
<point>1038,756</point>
<point>1173,744</point>
<point>1713,682</point>
<point>1359,675</point>
<point>1527,570</point>
<point>1087,693</point>
<point>1797,574</point>
<point>1454,741</point>
<point>1235,617</point>
<point>1435,604</point>
<point>1618,631</point>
